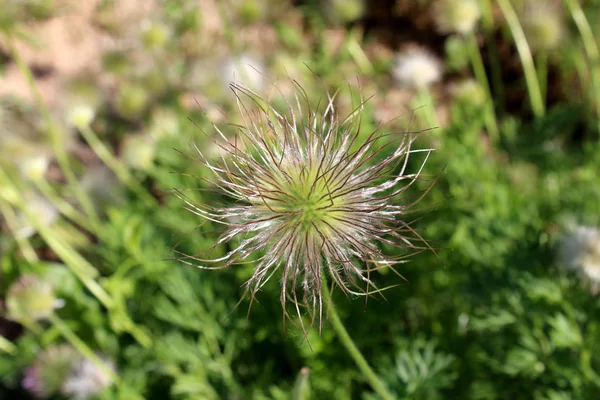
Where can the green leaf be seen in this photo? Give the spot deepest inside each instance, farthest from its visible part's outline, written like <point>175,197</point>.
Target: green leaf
<point>520,361</point>
<point>565,333</point>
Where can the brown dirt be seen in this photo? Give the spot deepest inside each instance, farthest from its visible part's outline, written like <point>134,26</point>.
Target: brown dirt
<point>68,45</point>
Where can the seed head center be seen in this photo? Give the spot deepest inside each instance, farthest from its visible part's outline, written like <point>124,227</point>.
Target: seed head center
<point>312,203</point>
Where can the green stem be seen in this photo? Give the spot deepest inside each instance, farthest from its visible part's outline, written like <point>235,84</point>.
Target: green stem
<point>55,134</point>
<point>533,86</point>
<point>481,76</point>
<point>7,346</point>
<point>542,73</point>
<point>591,49</point>
<point>425,100</point>
<point>32,325</point>
<point>587,369</point>
<point>350,346</point>
<point>487,15</point>
<point>81,347</point>
<point>11,221</point>
<point>358,54</point>
<point>496,69</point>
<point>86,273</point>
<point>120,170</point>
<point>78,265</point>
<point>301,390</point>
<point>63,206</point>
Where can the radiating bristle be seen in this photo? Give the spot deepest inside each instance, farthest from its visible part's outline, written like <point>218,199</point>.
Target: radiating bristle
<point>313,195</point>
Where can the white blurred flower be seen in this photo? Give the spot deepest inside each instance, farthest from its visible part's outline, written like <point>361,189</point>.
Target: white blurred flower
<point>80,115</point>
<point>244,69</point>
<point>30,299</point>
<point>416,67</point>
<point>543,24</point>
<point>39,208</point>
<point>86,380</point>
<point>103,187</point>
<point>580,249</point>
<point>456,16</point>
<point>138,151</point>
<point>47,374</point>
<point>250,11</point>
<point>155,35</point>
<point>34,166</point>
<point>164,123</point>
<point>468,91</point>
<point>343,11</point>
<point>22,143</point>
<point>463,322</point>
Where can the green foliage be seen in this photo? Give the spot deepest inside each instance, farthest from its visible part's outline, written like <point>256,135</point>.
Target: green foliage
<point>490,313</point>
<point>420,372</point>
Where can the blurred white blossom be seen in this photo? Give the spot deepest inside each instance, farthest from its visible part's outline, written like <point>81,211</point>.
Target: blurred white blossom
<point>40,210</point>
<point>49,371</point>
<point>580,249</point>
<point>468,91</point>
<point>244,69</point>
<point>343,11</point>
<point>86,380</point>
<point>164,123</point>
<point>23,144</point>
<point>30,298</point>
<point>417,67</point>
<point>80,115</point>
<point>543,24</point>
<point>456,16</point>
<point>103,188</point>
<point>138,150</point>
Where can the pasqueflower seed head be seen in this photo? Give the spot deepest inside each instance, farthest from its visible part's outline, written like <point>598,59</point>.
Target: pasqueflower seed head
<point>313,196</point>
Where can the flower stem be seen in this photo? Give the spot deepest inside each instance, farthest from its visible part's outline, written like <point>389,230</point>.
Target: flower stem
<point>55,135</point>
<point>116,166</point>
<point>11,221</point>
<point>78,265</point>
<point>358,54</point>
<point>350,346</point>
<point>541,62</point>
<point>63,206</point>
<point>425,100</point>
<point>7,346</point>
<point>591,48</point>
<point>481,76</point>
<point>81,347</point>
<point>533,86</point>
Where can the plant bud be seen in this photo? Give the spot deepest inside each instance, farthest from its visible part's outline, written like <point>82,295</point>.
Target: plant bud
<point>132,100</point>
<point>30,299</point>
<point>49,371</point>
<point>456,16</point>
<point>138,151</point>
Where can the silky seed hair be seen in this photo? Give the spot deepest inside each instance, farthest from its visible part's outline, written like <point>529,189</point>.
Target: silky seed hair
<point>314,196</point>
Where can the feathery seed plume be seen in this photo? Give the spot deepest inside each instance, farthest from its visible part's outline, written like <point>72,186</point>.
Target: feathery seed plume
<point>313,195</point>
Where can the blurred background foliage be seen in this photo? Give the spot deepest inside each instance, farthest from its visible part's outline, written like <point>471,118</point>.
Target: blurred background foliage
<point>101,103</point>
